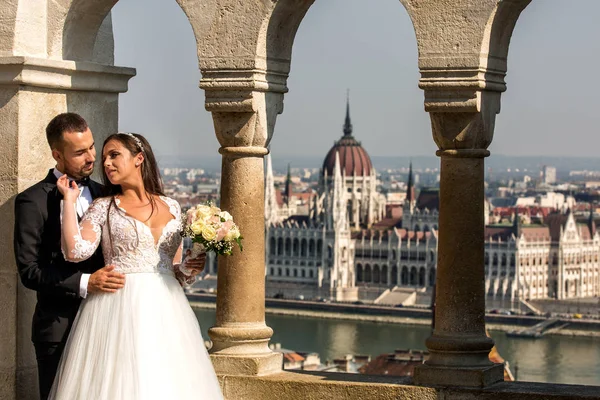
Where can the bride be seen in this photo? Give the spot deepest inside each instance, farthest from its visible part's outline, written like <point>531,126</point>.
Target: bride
<point>142,342</point>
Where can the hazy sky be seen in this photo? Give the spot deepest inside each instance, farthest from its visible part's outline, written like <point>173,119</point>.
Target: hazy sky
<point>551,106</point>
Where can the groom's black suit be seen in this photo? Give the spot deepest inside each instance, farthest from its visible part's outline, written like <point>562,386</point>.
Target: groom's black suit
<point>43,268</point>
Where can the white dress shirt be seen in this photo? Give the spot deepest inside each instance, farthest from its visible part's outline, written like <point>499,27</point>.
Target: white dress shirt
<point>83,202</point>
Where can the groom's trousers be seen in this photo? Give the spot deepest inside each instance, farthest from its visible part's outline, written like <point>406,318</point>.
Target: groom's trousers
<point>48,356</point>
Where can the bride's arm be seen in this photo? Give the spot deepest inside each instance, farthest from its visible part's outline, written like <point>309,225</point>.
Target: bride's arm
<point>79,241</point>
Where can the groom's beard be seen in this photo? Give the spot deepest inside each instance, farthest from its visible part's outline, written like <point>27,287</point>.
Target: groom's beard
<point>83,172</point>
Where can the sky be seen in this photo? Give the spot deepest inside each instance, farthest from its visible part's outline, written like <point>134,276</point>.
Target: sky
<point>551,107</point>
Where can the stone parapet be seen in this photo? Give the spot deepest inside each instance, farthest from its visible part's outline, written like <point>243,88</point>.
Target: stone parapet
<point>324,386</point>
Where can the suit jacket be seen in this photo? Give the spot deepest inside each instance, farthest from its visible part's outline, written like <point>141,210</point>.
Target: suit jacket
<point>41,264</point>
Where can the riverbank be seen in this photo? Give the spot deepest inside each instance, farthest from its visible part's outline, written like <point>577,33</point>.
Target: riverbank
<point>400,316</point>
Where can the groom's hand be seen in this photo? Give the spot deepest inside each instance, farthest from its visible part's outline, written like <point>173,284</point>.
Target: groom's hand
<point>106,280</point>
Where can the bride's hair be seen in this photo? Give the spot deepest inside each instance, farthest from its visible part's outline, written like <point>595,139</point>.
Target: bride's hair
<point>153,184</point>
<point>136,144</point>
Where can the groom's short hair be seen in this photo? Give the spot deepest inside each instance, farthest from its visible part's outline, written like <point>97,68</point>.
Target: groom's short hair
<point>63,123</point>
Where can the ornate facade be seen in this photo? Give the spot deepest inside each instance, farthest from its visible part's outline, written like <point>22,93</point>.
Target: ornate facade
<point>346,240</point>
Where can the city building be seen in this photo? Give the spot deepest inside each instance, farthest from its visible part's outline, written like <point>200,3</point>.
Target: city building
<point>345,247</point>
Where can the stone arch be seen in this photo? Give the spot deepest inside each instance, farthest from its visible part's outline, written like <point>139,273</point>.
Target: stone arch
<point>394,277</point>
<point>288,247</point>
<point>376,274</point>
<point>404,279</point>
<point>432,277</point>
<point>413,276</point>
<point>368,276</point>
<point>422,274</point>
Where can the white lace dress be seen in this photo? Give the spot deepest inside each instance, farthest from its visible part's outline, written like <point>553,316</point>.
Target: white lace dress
<point>142,342</point>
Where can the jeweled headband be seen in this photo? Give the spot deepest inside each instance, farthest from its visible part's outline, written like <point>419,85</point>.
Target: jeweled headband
<point>137,141</point>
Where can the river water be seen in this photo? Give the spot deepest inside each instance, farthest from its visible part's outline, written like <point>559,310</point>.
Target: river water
<point>556,359</point>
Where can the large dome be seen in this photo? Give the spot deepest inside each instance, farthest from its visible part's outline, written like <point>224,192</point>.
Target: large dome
<point>354,160</point>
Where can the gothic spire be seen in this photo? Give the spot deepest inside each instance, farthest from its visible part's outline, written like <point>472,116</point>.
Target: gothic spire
<point>591,222</point>
<point>410,190</point>
<point>517,223</point>
<point>288,186</point>
<point>347,123</point>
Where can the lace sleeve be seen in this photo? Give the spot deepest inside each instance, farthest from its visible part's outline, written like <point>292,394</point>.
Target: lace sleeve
<point>86,238</point>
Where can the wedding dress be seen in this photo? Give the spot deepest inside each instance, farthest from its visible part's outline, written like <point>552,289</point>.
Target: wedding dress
<point>142,342</point>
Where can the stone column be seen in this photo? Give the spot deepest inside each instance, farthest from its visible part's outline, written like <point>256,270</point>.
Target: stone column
<point>243,121</point>
<point>459,346</point>
<point>32,91</point>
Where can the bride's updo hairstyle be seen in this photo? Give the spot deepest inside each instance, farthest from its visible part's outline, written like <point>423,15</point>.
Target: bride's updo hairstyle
<point>136,144</point>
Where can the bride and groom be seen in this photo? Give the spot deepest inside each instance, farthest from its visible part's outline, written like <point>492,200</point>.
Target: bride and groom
<point>111,321</point>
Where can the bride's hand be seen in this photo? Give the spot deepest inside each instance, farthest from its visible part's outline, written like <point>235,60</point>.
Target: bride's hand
<point>68,189</point>
<point>193,266</point>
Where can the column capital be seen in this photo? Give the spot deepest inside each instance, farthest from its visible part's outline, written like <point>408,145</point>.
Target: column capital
<point>463,122</point>
<point>245,103</point>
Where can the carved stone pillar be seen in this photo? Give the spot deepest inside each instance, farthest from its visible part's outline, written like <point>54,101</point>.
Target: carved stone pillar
<point>244,119</point>
<point>32,91</point>
<point>459,346</point>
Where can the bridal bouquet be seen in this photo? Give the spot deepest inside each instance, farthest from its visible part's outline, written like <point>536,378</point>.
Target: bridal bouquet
<point>211,229</point>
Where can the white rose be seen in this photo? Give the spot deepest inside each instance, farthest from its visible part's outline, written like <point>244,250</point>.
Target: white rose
<point>197,227</point>
<point>233,234</point>
<point>225,216</point>
<point>209,233</point>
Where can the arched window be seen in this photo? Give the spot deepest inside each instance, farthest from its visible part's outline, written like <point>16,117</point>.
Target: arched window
<point>303,248</point>
<point>272,271</point>
<point>287,272</point>
<point>368,273</point>
<point>384,271</point>
<point>272,246</point>
<point>296,247</point>
<point>487,258</point>
<point>280,246</point>
<point>311,248</point>
<point>303,273</point>
<point>404,276</point>
<point>319,247</point>
<point>512,260</point>
<point>311,274</point>
<point>432,277</point>
<point>417,228</point>
<point>288,247</point>
<point>495,260</point>
<point>295,273</point>
<point>422,273</point>
<point>376,274</point>
<point>359,272</point>
<point>279,271</point>
<point>394,275</point>
<point>503,260</point>
<point>426,228</point>
<point>413,276</point>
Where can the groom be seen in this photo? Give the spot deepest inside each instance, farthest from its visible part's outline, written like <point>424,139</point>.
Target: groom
<point>60,285</point>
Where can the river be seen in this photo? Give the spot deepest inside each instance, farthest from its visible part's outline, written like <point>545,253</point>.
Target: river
<point>556,359</point>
